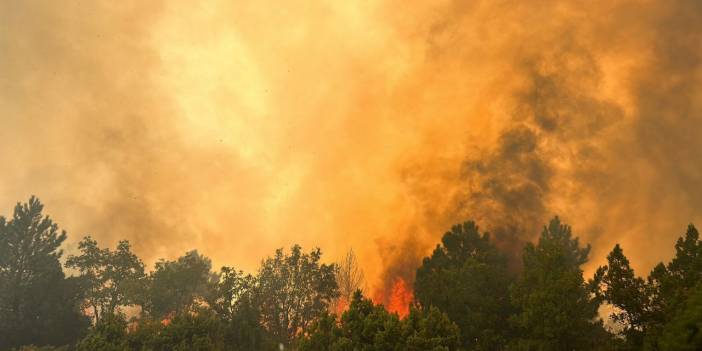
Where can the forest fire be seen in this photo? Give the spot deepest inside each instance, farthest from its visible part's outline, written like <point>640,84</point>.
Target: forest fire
<point>341,305</point>
<point>398,299</point>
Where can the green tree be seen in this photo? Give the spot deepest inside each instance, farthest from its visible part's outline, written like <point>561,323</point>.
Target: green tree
<point>108,334</point>
<point>671,284</point>
<point>111,279</point>
<point>467,277</point>
<point>178,286</point>
<point>684,331</point>
<point>293,290</point>
<point>233,299</point>
<point>556,307</point>
<point>369,327</point>
<point>628,294</point>
<point>430,329</point>
<point>201,331</point>
<point>38,305</point>
<point>230,291</point>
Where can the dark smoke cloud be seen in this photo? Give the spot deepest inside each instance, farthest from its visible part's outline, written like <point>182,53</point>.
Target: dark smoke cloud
<point>375,125</point>
<point>600,108</point>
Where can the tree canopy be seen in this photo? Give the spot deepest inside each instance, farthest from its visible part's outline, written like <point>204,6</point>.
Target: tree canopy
<point>466,297</point>
<point>467,277</point>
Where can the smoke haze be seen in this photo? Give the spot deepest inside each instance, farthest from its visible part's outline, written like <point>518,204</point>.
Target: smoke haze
<point>240,127</point>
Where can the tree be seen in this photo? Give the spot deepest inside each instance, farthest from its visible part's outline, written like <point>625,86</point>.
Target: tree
<point>556,308</point>
<point>293,290</point>
<point>671,284</point>
<point>430,329</point>
<point>684,331</point>
<point>201,331</point>
<point>109,334</point>
<point>626,292</point>
<point>366,326</point>
<point>233,299</point>
<point>349,278</point>
<point>177,286</point>
<point>111,278</point>
<point>38,305</point>
<point>231,290</point>
<point>467,277</point>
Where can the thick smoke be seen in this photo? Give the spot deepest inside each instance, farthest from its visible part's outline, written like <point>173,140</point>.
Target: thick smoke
<point>237,128</point>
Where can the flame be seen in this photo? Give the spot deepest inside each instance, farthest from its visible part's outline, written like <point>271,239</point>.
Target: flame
<point>341,305</point>
<point>398,299</point>
<point>167,319</point>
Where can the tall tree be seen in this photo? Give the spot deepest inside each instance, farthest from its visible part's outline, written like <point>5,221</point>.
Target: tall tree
<point>684,330</point>
<point>38,305</point>
<point>671,284</point>
<point>178,286</point>
<point>293,290</point>
<point>349,278</point>
<point>111,278</point>
<point>467,277</point>
<point>628,294</point>
<point>556,307</point>
<point>232,298</point>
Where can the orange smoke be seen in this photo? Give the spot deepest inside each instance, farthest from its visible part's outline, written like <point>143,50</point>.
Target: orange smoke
<point>398,299</point>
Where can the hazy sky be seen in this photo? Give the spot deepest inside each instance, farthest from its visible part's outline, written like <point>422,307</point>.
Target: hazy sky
<point>237,127</point>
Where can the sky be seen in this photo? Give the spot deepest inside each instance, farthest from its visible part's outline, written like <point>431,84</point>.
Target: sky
<point>238,127</point>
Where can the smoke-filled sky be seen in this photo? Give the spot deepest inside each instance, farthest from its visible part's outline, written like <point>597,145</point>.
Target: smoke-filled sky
<point>237,127</point>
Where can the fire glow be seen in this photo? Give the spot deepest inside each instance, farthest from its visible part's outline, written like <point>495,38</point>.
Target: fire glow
<point>398,299</point>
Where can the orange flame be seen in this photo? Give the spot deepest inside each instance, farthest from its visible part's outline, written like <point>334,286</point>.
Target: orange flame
<point>341,305</point>
<point>399,298</point>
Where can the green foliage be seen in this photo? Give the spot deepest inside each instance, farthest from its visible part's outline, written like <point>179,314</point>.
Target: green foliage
<point>684,331</point>
<point>293,290</point>
<point>463,288</point>
<point>38,305</point>
<point>41,348</point>
<point>556,308</point>
<point>232,290</point>
<point>672,285</point>
<point>177,286</point>
<point>108,334</point>
<point>467,277</point>
<point>111,278</point>
<point>628,294</point>
<point>430,329</point>
<point>200,331</point>
<point>233,299</point>
<point>369,327</point>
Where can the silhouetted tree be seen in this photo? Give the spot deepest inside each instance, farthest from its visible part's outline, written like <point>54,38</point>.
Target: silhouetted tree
<point>111,278</point>
<point>349,278</point>
<point>671,284</point>
<point>467,277</point>
<point>233,299</point>
<point>293,290</point>
<point>109,333</point>
<point>38,305</point>
<point>366,326</point>
<point>177,286</point>
<point>684,330</point>
<point>556,307</point>
<point>628,294</point>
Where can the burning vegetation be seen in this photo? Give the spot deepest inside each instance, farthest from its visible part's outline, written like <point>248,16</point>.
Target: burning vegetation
<point>465,296</point>
<point>163,126</point>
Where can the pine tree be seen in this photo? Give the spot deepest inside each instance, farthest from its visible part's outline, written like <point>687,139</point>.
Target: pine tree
<point>556,307</point>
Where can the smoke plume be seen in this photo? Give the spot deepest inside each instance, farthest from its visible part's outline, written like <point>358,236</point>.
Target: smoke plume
<point>240,127</point>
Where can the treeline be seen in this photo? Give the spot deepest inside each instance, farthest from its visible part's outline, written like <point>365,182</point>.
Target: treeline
<point>466,298</point>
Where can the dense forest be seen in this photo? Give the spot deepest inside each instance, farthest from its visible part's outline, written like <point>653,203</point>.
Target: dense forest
<point>467,297</point>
